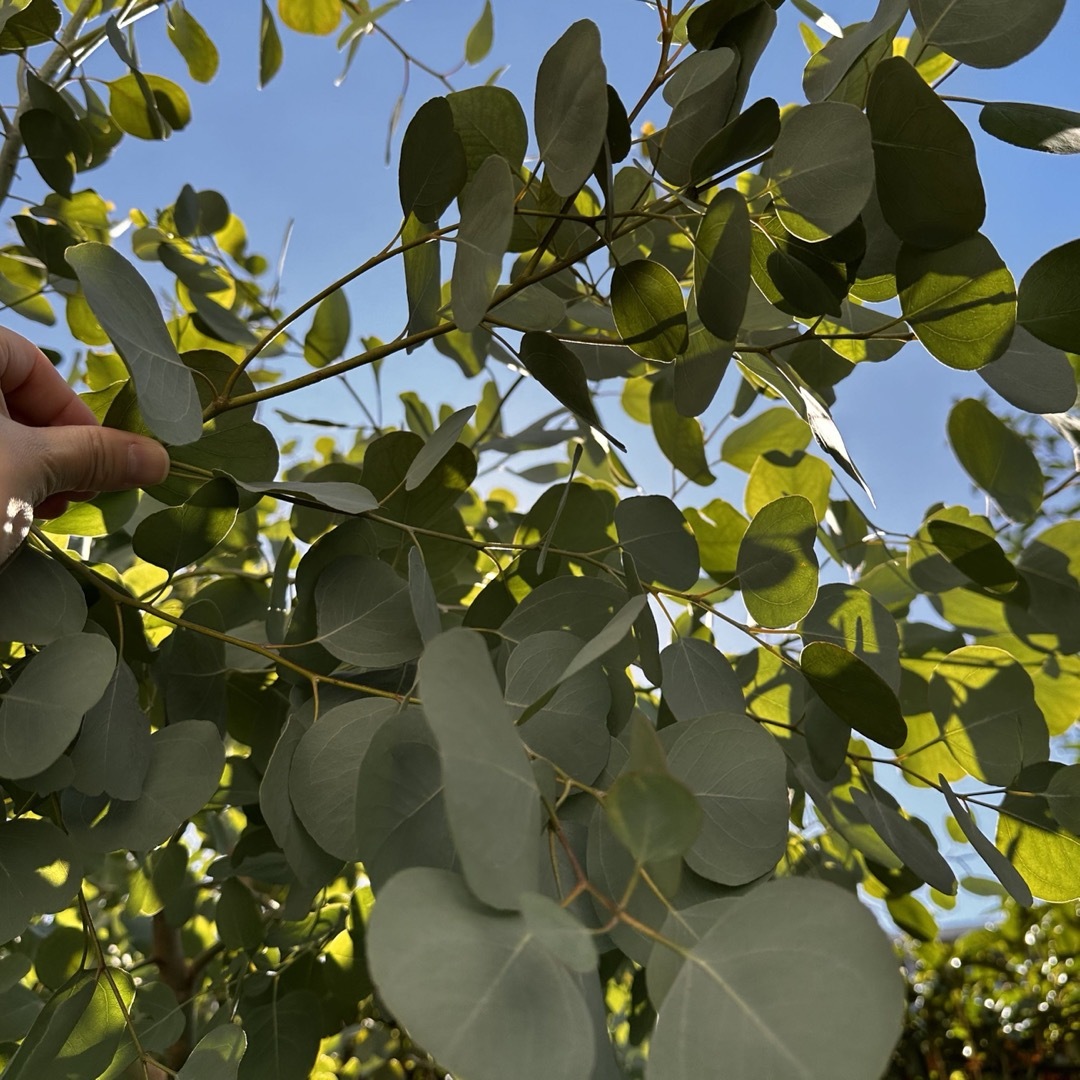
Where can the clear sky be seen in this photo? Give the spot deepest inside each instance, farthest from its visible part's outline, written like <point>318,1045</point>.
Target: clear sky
<point>309,151</point>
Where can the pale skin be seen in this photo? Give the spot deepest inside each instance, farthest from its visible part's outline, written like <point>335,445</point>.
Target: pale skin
<point>52,449</point>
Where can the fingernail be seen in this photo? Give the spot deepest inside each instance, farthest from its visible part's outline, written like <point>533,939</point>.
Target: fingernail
<point>148,463</point>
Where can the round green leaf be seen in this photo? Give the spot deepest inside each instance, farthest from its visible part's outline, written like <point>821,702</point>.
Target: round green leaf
<point>129,107</point>
<point>851,618</point>
<point>997,459</point>
<point>984,702</point>
<point>777,566</point>
<point>217,1055</point>
<point>465,983</point>
<point>792,934</point>
<point>329,334</point>
<point>432,169</point>
<point>492,800</point>
<point>986,35</point>
<point>1032,375</point>
<point>928,181</point>
<point>722,264</point>
<point>649,311</point>
<point>489,120</point>
<point>1051,567</point>
<point>41,714</point>
<point>1048,305</point>
<point>1063,796</point>
<point>365,613</point>
<point>775,474</point>
<point>1047,857</point>
<point>310,16</point>
<point>323,779</point>
<point>239,920</point>
<point>571,107</point>
<point>185,766</point>
<point>39,600</point>
<point>779,429</point>
<point>976,555</point>
<point>680,437</point>
<point>855,692</point>
<point>570,729</point>
<point>698,680</point>
<point>824,165</point>
<point>180,535</point>
<point>654,816</point>
<point>961,301</point>
<point>559,932</point>
<point>745,826</point>
<point>400,811</point>
<point>283,1036</point>
<point>652,529</point>
<point>487,216</point>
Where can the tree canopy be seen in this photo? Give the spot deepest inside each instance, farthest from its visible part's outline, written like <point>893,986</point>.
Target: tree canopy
<point>345,761</point>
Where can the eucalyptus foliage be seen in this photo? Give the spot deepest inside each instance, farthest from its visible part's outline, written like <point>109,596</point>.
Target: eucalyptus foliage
<point>306,771</point>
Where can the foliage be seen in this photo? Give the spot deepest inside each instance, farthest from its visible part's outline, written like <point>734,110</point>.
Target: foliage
<point>351,767</point>
<point>995,1002</point>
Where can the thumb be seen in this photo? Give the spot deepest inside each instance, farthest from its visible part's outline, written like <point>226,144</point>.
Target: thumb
<point>88,458</point>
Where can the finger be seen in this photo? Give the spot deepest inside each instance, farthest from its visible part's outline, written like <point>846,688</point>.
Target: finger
<point>34,391</point>
<point>52,507</point>
<point>82,458</point>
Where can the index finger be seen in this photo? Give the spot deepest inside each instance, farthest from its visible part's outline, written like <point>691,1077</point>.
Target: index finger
<point>35,392</point>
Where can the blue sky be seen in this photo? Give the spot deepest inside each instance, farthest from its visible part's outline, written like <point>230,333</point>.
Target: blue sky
<point>308,151</point>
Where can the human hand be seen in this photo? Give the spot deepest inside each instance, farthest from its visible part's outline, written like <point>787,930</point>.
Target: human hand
<point>51,447</point>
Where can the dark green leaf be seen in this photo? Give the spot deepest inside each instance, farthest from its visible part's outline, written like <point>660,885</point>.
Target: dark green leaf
<point>999,865</point>
<point>649,311</point>
<point>974,554</point>
<point>270,50</point>
<point>425,606</point>
<point>33,24</point>
<point>42,713</point>
<point>777,566</point>
<point>985,36</point>
<point>680,437</point>
<point>1032,375</point>
<point>855,692</point>
<point>238,919</point>
<point>928,179</point>
<point>699,680</point>
<point>792,933</point>
<point>454,972</point>
<point>325,769</point>
<point>823,163</point>
<point>217,1055</point>
<point>492,800</point>
<point>652,529</point>
<point>745,827</point>
<point>960,301</point>
<point>997,459</point>
<point>433,168</point>
<point>559,932</point>
<point>750,134</point>
<point>125,306</point>
<point>48,145</point>
<point>570,116</point>
<point>112,755</point>
<point>180,535</point>
<point>185,766</point>
<point>39,600</point>
<point>365,615</point>
<point>487,216</point>
<point>832,65</point>
<point>1034,127</point>
<point>1048,304</point>
<point>283,1036</point>
<point>559,371</point>
<point>654,816</point>
<point>852,618</point>
<point>1063,795</point>
<point>1051,567</point>
<point>423,286</point>
<point>400,811</point>
<point>342,496</point>
<point>489,120</point>
<point>722,265</point>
